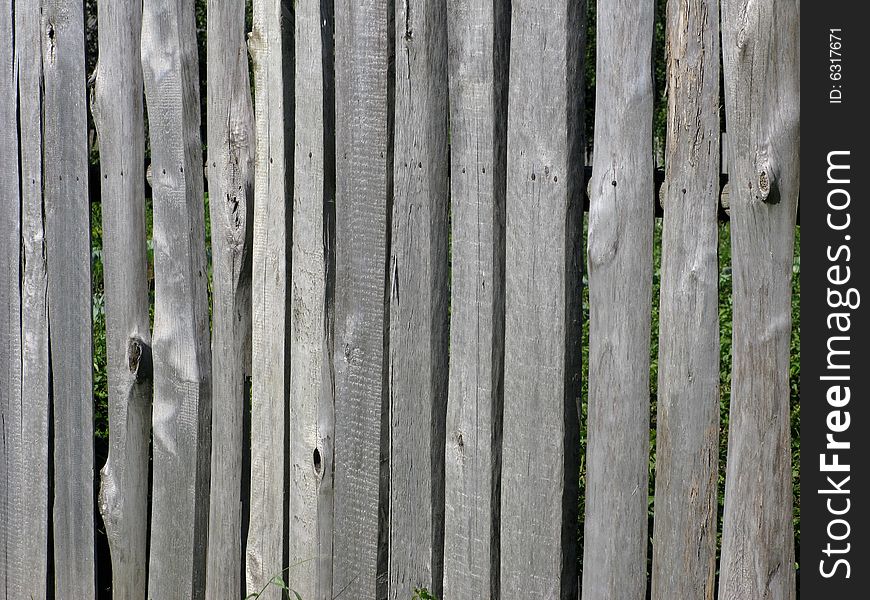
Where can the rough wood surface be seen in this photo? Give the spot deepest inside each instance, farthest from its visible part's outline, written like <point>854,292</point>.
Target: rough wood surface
<point>687,435</point>
<point>27,544</point>
<point>363,183</point>
<point>230,132</point>
<point>265,543</point>
<point>12,513</point>
<point>543,235</point>
<point>68,252</point>
<point>311,404</point>
<point>182,361</point>
<point>760,43</point>
<point>478,33</point>
<point>620,288</point>
<point>418,300</point>
<point>119,117</point>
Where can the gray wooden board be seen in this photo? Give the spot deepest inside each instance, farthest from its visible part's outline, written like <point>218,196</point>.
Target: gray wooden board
<point>119,117</point>
<point>265,543</point>
<point>760,43</point>
<point>230,133</point>
<point>30,547</point>
<point>182,361</point>
<point>418,300</point>
<point>68,252</point>
<point>478,33</point>
<point>363,177</point>
<point>12,558</point>
<point>620,286</point>
<point>687,435</point>
<point>543,234</point>
<point>310,428</point>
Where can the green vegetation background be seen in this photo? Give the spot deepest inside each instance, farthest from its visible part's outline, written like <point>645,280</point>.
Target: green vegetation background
<point>100,379</point>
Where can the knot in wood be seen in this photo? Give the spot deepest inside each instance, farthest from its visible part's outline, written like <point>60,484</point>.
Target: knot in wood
<point>139,359</point>
<point>318,462</point>
<point>768,190</point>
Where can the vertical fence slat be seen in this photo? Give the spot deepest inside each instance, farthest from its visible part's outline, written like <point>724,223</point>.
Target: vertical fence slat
<point>32,490</point>
<point>119,117</point>
<point>311,408</point>
<point>418,300</point>
<point>265,543</point>
<point>11,510</point>
<point>68,245</point>
<point>182,360</point>
<point>620,289</point>
<point>760,43</point>
<point>230,187</point>
<point>687,441</point>
<point>478,33</point>
<point>363,182</point>
<point>542,300</point>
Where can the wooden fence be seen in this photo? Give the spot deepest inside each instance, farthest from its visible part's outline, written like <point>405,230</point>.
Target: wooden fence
<point>396,286</point>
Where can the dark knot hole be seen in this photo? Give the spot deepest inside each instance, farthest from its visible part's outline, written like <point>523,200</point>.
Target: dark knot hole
<point>318,463</point>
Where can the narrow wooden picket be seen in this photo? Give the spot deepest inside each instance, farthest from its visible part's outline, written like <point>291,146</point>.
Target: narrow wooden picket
<point>27,458</point>
<point>118,112</point>
<point>182,360</point>
<point>230,132</point>
<point>418,300</point>
<point>11,512</point>
<point>620,283</point>
<point>542,300</point>
<point>687,440</point>
<point>760,43</point>
<point>265,542</point>
<point>311,403</point>
<point>477,33</point>
<point>363,183</point>
<point>68,259</point>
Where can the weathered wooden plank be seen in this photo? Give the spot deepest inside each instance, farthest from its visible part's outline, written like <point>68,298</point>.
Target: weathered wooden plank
<point>687,440</point>
<point>182,361</point>
<point>230,187</point>
<point>418,300</point>
<point>11,511</point>
<point>28,485</point>
<point>478,33</point>
<point>311,402</point>
<point>620,288</point>
<point>363,182</point>
<point>119,117</point>
<point>543,235</point>
<point>760,43</point>
<point>265,543</point>
<point>68,252</point>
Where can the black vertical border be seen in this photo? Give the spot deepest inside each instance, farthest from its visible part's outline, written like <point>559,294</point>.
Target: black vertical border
<point>834,127</point>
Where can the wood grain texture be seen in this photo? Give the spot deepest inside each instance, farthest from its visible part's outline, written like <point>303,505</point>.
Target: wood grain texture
<point>119,117</point>
<point>478,33</point>
<point>265,543</point>
<point>27,545</point>
<point>182,361</point>
<point>418,300</point>
<point>311,388</point>
<point>620,287</point>
<point>363,185</point>
<point>12,557</point>
<point>68,252</point>
<point>230,131</point>
<point>687,435</point>
<point>542,300</point>
<point>760,43</point>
